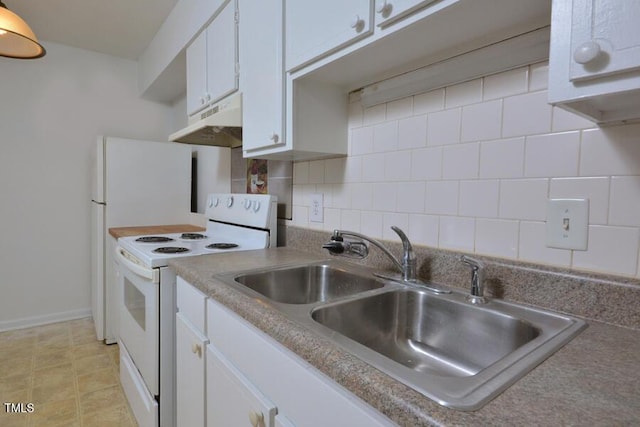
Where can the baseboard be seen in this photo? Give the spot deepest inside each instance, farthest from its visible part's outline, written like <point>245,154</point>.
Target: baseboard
<point>27,322</point>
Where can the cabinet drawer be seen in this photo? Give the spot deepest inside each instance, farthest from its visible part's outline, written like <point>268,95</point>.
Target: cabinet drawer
<point>191,303</point>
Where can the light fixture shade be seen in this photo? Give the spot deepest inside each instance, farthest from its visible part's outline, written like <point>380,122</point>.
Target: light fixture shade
<point>17,40</point>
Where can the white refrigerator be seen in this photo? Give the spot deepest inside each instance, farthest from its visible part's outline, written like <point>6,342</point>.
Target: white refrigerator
<point>135,183</point>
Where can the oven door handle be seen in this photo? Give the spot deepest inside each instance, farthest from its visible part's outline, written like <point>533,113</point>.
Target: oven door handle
<point>133,265</point>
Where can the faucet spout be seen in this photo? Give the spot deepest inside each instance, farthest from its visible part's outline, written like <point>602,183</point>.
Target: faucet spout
<point>409,262</point>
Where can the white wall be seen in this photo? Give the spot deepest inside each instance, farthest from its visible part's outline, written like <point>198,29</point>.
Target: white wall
<point>52,109</point>
<point>470,167</point>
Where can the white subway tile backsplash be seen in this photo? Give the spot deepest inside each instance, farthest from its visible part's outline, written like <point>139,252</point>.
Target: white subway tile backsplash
<point>350,220</point>
<point>502,159</point>
<point>397,166</point>
<point>482,121</point>
<point>610,249</point>
<point>533,246</point>
<point>373,167</point>
<point>411,197</point>
<point>463,93</point>
<point>441,197</point>
<point>316,172</point>
<point>371,224</point>
<point>361,141</point>
<point>456,233</point>
<point>460,161</point>
<point>428,102</point>
<point>400,108</point>
<point>566,120</point>
<point>385,137</point>
<point>385,196</point>
<point>423,229</point>
<point>374,115</point>
<point>523,199</point>
<point>362,196</point>
<point>470,167</point>
<point>611,151</point>
<point>596,189</point>
<point>507,83</point>
<point>497,237</point>
<point>426,164</point>
<point>552,155</point>
<point>412,132</point>
<point>527,114</point>
<point>538,76</point>
<point>443,127</point>
<point>625,201</point>
<point>479,198</point>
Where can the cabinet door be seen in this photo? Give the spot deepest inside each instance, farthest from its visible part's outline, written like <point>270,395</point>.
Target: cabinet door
<point>190,374</point>
<point>197,74</point>
<point>317,28</point>
<point>604,38</point>
<point>231,399</point>
<point>222,53</point>
<point>282,421</point>
<point>389,11</point>
<point>262,74</point>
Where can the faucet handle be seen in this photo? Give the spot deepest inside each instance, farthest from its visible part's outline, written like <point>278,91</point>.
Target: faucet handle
<point>476,295</point>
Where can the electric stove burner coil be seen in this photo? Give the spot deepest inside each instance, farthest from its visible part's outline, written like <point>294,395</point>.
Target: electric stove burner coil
<point>170,250</point>
<point>192,236</point>
<point>222,246</point>
<point>154,239</point>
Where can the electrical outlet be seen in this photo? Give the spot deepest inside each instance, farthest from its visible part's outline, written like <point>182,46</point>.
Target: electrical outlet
<point>316,208</point>
<point>568,223</point>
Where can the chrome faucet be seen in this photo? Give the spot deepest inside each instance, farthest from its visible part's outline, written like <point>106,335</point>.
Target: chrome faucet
<point>476,296</point>
<point>358,249</point>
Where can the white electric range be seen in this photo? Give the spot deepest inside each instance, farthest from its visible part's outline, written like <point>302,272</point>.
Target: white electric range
<point>146,287</point>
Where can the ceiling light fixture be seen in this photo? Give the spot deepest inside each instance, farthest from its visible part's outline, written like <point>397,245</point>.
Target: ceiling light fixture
<point>17,40</point>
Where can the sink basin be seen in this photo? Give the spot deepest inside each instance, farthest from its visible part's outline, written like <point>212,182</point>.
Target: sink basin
<point>309,283</point>
<point>427,334</point>
<point>456,353</point>
<point>459,354</point>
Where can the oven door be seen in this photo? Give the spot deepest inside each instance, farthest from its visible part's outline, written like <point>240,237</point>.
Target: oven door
<point>139,316</point>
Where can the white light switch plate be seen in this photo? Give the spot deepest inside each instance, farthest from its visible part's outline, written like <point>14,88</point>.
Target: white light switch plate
<point>316,208</point>
<point>568,223</point>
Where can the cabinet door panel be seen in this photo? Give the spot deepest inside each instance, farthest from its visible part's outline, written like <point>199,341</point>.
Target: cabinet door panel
<point>262,74</point>
<point>197,74</point>
<point>316,28</point>
<point>222,53</point>
<point>389,11</point>
<point>190,374</point>
<point>610,26</point>
<point>232,400</point>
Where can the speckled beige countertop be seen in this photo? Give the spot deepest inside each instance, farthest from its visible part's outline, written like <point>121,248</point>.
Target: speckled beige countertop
<point>594,380</point>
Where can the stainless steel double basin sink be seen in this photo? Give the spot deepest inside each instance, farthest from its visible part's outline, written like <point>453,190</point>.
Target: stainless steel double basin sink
<point>458,354</point>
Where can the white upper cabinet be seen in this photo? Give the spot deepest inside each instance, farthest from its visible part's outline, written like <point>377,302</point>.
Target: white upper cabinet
<point>389,11</point>
<point>262,74</point>
<point>212,60</point>
<point>318,28</point>
<point>594,63</point>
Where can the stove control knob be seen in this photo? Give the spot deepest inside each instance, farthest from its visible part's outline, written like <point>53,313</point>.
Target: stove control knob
<point>213,201</point>
<point>247,204</point>
<point>230,201</point>
<point>256,206</point>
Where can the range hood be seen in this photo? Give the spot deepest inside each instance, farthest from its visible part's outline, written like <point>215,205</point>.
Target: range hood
<point>219,125</point>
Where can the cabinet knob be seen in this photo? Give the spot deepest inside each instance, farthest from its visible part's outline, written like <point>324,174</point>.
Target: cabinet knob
<point>357,23</point>
<point>384,8</point>
<point>274,138</point>
<point>586,52</point>
<point>256,418</point>
<point>197,349</point>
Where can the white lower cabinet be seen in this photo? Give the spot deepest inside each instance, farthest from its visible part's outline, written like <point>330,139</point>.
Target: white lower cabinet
<point>190,374</point>
<point>235,375</point>
<point>231,398</point>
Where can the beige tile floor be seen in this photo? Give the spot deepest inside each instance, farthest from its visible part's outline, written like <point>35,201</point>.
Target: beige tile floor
<point>70,378</point>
